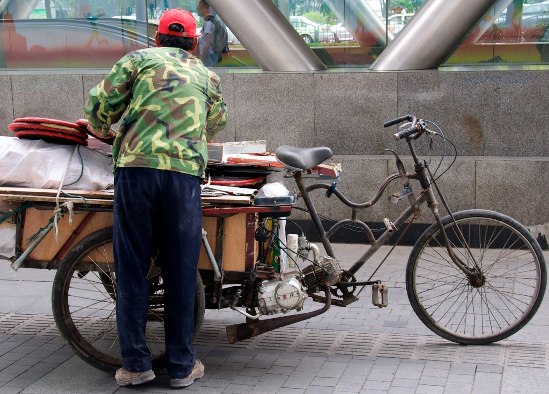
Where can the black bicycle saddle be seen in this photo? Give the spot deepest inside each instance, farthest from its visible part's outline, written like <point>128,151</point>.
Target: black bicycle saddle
<point>302,158</point>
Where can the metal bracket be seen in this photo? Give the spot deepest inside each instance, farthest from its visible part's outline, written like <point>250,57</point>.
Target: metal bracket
<point>396,197</point>
<point>389,225</point>
<point>331,190</point>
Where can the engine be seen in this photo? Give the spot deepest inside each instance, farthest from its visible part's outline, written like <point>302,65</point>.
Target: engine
<point>276,296</point>
<point>325,273</point>
<point>283,295</point>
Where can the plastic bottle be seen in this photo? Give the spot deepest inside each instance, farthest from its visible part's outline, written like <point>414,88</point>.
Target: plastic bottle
<point>292,245</point>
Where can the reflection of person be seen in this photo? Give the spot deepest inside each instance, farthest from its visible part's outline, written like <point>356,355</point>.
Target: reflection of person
<point>206,43</point>
<point>95,36</point>
<point>173,105</point>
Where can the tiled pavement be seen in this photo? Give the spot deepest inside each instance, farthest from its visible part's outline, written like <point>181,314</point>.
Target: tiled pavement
<point>346,350</point>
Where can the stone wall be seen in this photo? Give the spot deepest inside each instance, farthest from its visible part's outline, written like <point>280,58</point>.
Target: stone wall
<point>499,121</point>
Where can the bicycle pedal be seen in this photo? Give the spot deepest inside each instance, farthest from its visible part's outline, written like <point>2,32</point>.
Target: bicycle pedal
<point>380,295</point>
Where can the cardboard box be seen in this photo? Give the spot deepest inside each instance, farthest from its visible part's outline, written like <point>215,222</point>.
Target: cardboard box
<point>218,151</point>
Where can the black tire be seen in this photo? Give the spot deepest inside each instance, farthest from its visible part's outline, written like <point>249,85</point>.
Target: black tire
<point>488,308</point>
<point>83,302</point>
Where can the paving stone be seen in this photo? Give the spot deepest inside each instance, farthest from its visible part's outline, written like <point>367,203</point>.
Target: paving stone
<point>464,369</point>
<point>432,380</point>
<point>457,378</point>
<point>427,389</point>
<point>280,370</point>
<point>319,390</point>
<point>332,367</point>
<point>489,368</point>
<point>299,381</point>
<point>401,390</point>
<point>458,387</point>
<point>403,382</point>
<point>353,378</point>
<point>347,387</point>
<point>252,372</point>
<point>323,381</point>
<point>376,385</point>
<point>238,388</point>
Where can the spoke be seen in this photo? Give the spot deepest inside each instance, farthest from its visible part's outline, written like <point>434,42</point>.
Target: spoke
<point>447,298</point>
<point>510,296</point>
<point>498,309</point>
<point>448,260</point>
<point>492,237</point>
<point>443,275</point>
<point>465,289</point>
<point>94,284</point>
<point>490,313</point>
<point>104,331</point>
<point>88,307</point>
<point>443,263</point>
<point>511,269</point>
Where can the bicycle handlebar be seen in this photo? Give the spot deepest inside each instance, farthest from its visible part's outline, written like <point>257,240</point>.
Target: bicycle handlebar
<point>414,131</point>
<point>406,132</point>
<point>409,118</point>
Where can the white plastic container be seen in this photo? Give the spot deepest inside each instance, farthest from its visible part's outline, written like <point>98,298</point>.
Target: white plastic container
<point>292,245</point>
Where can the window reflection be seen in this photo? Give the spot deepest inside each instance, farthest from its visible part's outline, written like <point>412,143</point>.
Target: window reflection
<point>512,31</point>
<point>343,33</point>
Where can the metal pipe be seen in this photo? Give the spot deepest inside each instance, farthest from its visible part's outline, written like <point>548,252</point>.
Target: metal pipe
<point>211,257</point>
<point>39,237</point>
<point>432,34</point>
<point>267,35</point>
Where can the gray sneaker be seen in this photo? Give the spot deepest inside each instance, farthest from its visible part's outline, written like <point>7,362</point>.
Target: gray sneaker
<point>127,378</point>
<point>196,373</point>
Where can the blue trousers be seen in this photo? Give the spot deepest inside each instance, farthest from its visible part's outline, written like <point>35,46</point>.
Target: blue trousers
<point>156,208</point>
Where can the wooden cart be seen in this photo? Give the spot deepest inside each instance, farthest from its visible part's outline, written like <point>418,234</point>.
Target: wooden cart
<point>83,294</point>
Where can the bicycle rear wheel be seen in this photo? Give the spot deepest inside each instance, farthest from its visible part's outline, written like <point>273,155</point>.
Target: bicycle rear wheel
<point>84,298</point>
<point>495,304</point>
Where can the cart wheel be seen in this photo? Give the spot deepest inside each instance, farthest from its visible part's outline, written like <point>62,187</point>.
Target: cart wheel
<point>83,302</point>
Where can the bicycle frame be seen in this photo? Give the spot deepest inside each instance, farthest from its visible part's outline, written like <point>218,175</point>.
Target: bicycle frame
<point>426,195</point>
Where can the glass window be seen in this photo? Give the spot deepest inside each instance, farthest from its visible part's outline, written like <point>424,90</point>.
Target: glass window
<point>68,33</point>
<point>343,33</point>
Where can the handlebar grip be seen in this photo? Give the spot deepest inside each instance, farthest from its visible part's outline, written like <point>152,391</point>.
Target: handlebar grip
<point>405,133</point>
<point>398,120</point>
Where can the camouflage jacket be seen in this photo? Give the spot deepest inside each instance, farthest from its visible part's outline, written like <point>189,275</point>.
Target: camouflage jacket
<point>172,105</point>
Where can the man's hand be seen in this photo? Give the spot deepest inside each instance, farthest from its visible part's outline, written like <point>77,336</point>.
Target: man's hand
<point>107,138</point>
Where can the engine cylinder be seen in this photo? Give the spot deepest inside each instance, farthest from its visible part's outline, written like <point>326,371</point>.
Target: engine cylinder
<point>325,273</point>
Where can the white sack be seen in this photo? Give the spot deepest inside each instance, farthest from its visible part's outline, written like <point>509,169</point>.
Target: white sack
<point>275,189</point>
<point>40,164</point>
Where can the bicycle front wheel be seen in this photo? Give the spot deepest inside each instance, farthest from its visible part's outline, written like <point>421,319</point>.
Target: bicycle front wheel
<point>84,298</point>
<point>494,304</point>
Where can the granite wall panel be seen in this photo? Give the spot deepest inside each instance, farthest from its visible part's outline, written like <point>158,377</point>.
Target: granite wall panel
<point>6,105</point>
<point>57,96</point>
<point>350,110</point>
<point>516,187</point>
<point>278,107</point>
<point>497,119</point>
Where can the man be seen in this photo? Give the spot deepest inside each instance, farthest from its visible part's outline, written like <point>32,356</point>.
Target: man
<point>172,105</point>
<point>206,43</point>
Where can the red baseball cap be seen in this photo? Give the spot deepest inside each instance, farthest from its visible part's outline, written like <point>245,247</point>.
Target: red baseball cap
<point>180,16</point>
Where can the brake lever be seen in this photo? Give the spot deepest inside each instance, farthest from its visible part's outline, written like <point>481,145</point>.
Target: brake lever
<point>422,128</point>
